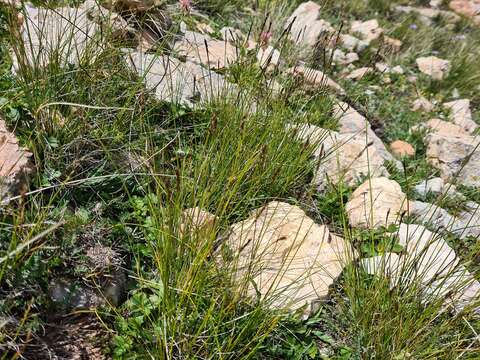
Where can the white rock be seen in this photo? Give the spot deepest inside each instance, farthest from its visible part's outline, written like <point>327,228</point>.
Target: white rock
<point>434,186</point>
<point>428,14</point>
<point>339,57</point>
<point>388,264</point>
<point>201,49</point>
<point>306,27</point>
<point>431,262</point>
<point>454,152</point>
<point>377,202</point>
<point>231,34</point>
<point>268,57</point>
<point>461,115</point>
<point>354,124</point>
<point>433,66</point>
<point>359,74</point>
<point>342,157</point>
<point>62,33</point>
<point>422,104</point>
<point>351,43</point>
<point>291,260</point>
<point>397,70</point>
<point>316,78</point>
<point>367,30</point>
<point>174,81</point>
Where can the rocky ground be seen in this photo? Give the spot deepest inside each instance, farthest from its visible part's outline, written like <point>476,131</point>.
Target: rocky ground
<point>271,180</point>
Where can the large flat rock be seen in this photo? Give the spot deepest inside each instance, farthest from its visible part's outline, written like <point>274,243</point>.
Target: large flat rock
<point>290,260</point>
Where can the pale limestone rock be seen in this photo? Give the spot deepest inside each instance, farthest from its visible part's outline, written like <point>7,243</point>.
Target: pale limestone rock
<point>397,70</point>
<point>388,265</point>
<point>291,260</point>
<point>471,219</point>
<point>434,186</point>
<point>205,28</point>
<point>386,69</point>
<point>268,57</point>
<point>445,128</point>
<point>354,124</point>
<point>132,5</point>
<point>382,67</point>
<point>316,78</point>
<point>461,115</point>
<point>428,14</point>
<point>462,226</point>
<point>306,27</point>
<point>342,157</point>
<point>367,30</point>
<point>339,57</point>
<point>351,43</point>
<point>231,34</point>
<point>422,104</point>
<point>360,73</point>
<point>377,202</point>
<point>431,262</point>
<point>394,45</point>
<point>402,148</point>
<point>349,160</point>
<point>15,163</point>
<point>467,8</point>
<point>433,66</point>
<point>174,81</point>
<point>201,49</point>
<point>197,219</point>
<point>454,152</point>
<point>65,32</point>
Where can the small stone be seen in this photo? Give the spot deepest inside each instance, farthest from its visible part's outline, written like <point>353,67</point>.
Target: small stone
<point>201,49</point>
<point>205,28</point>
<point>394,45</point>
<point>461,115</point>
<point>422,104</point>
<point>397,70</point>
<point>132,5</point>
<point>352,123</point>
<point>351,43</point>
<point>359,74</point>
<point>454,152</point>
<point>367,30</point>
<point>412,79</point>
<point>305,26</point>
<point>385,69</point>
<point>434,186</point>
<point>268,57</point>
<point>402,148</point>
<point>316,77</point>
<point>377,202</point>
<point>433,66</point>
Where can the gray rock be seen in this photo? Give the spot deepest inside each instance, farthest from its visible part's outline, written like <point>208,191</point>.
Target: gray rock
<point>64,33</point>
<point>429,265</point>
<point>434,186</point>
<point>306,26</point>
<point>173,81</point>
